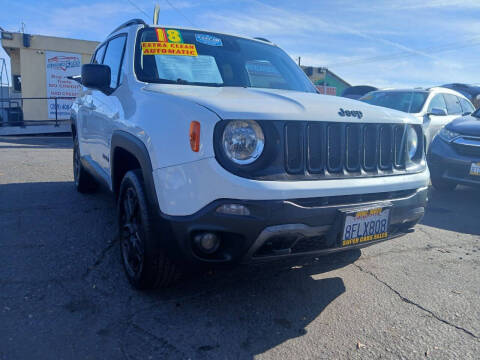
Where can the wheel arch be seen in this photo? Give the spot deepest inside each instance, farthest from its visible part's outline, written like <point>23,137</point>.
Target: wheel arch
<point>134,155</point>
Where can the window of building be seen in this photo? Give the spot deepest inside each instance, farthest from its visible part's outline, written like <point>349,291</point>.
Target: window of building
<point>17,83</point>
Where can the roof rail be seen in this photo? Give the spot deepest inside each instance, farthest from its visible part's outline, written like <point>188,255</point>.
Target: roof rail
<point>262,39</point>
<point>130,22</point>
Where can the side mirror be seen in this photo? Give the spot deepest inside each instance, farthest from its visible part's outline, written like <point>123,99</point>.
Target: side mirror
<point>96,76</point>
<point>437,112</point>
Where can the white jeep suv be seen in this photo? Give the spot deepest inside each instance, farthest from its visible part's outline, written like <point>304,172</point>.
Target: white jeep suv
<point>219,150</point>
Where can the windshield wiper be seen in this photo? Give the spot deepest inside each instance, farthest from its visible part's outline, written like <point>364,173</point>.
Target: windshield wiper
<point>185,82</point>
<point>180,81</point>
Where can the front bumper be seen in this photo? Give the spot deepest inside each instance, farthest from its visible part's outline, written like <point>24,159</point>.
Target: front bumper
<point>186,189</point>
<point>445,163</point>
<point>284,228</point>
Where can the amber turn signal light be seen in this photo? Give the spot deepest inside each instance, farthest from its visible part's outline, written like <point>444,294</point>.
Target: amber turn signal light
<point>195,136</point>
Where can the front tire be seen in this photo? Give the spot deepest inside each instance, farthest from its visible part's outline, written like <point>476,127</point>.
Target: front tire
<point>84,182</point>
<point>146,264</point>
<point>442,184</point>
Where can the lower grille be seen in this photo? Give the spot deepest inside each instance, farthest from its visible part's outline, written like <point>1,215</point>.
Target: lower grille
<point>467,150</point>
<point>308,244</point>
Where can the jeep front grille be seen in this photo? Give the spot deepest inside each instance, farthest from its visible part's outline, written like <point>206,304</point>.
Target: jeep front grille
<point>333,149</point>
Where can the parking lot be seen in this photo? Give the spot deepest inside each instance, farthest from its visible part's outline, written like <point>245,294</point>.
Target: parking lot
<point>63,294</point>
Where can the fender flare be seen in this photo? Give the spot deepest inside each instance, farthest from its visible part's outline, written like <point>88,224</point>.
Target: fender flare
<point>136,147</point>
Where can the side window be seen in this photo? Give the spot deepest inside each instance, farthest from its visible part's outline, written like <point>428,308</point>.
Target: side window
<point>98,58</point>
<point>453,104</point>
<point>437,102</point>
<point>467,107</point>
<point>113,58</point>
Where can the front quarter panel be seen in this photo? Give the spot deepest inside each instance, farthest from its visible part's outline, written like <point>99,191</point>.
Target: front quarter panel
<point>162,122</point>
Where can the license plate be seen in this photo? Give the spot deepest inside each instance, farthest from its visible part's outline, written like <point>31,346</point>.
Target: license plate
<point>365,225</point>
<point>475,169</point>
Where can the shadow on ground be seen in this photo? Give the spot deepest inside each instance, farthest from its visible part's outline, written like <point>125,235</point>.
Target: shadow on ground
<point>66,294</point>
<point>454,210</point>
<point>237,314</point>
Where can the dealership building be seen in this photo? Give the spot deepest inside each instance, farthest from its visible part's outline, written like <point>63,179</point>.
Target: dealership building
<point>325,80</point>
<point>40,66</point>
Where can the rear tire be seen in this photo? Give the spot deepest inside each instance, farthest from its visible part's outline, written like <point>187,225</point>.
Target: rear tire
<point>145,262</point>
<point>442,184</point>
<point>84,182</point>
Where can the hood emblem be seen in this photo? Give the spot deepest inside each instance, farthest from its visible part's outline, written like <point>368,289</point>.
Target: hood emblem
<point>350,113</point>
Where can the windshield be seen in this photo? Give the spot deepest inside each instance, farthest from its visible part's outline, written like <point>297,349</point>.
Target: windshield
<point>207,59</point>
<point>407,101</point>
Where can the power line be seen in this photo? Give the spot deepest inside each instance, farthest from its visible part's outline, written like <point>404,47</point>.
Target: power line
<point>180,12</point>
<point>138,8</point>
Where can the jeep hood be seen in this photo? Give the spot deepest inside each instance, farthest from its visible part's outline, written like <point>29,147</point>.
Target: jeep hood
<point>271,104</point>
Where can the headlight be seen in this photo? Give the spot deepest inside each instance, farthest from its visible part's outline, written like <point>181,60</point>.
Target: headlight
<point>412,142</point>
<point>243,141</point>
<point>447,135</point>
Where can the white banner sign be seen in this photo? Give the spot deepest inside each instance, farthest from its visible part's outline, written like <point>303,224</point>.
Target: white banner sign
<point>59,66</point>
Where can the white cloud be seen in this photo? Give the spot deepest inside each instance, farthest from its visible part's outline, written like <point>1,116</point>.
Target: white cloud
<point>265,20</point>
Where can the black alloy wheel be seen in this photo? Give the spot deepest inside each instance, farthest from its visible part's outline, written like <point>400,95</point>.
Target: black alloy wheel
<point>146,264</point>
<point>133,249</point>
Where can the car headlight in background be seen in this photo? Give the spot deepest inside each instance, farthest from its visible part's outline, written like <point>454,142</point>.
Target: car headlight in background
<point>412,142</point>
<point>243,141</point>
<point>448,135</point>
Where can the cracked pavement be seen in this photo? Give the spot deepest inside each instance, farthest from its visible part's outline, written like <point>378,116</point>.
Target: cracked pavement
<point>63,294</point>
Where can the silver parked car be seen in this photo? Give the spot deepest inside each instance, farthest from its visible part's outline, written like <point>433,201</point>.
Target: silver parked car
<point>435,106</point>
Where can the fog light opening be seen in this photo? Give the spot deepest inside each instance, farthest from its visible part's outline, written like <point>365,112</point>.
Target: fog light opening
<point>233,209</point>
<point>207,242</point>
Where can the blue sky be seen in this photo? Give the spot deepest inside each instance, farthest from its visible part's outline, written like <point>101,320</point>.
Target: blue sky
<point>391,43</point>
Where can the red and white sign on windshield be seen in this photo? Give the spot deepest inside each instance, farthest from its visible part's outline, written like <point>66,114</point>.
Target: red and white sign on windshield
<point>59,66</point>
<point>331,90</point>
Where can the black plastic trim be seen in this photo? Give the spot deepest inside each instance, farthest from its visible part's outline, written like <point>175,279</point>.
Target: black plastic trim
<point>407,207</point>
<point>132,144</point>
<point>95,170</point>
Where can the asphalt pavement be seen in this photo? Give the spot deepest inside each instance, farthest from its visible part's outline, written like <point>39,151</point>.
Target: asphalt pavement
<point>63,294</point>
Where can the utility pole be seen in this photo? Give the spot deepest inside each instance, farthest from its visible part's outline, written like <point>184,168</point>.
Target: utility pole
<point>299,58</point>
<point>156,13</point>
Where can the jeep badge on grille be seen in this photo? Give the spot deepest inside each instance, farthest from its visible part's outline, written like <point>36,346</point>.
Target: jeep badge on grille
<point>350,113</point>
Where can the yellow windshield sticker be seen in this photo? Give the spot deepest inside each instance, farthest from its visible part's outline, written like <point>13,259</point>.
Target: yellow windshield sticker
<point>167,48</point>
<point>169,35</point>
